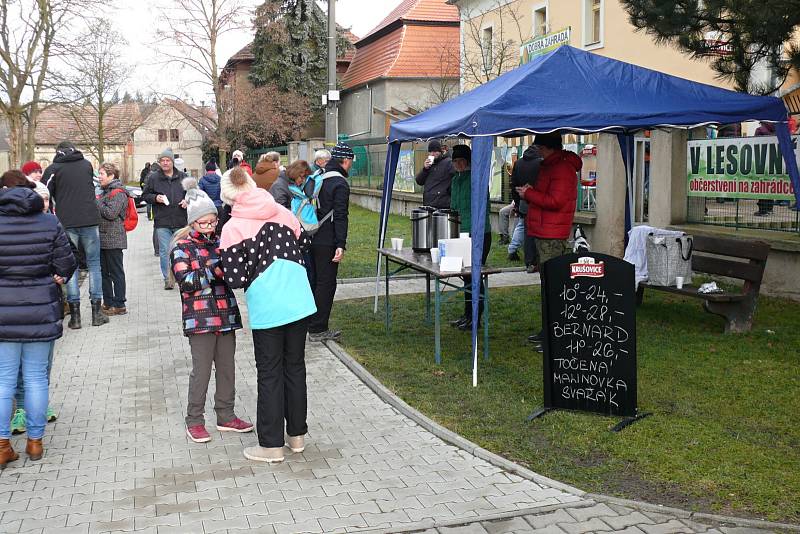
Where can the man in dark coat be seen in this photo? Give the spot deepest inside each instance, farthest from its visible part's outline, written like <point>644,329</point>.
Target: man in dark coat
<point>328,244</point>
<point>164,192</point>
<point>70,179</point>
<point>436,175</point>
<point>526,170</point>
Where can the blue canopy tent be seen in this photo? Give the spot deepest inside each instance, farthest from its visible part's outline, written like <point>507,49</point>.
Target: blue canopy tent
<point>570,90</point>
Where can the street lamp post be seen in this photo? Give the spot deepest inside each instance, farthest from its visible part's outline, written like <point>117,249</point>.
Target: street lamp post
<point>332,97</point>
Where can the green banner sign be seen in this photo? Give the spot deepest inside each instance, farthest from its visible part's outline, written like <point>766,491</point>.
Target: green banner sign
<point>543,44</point>
<point>750,167</point>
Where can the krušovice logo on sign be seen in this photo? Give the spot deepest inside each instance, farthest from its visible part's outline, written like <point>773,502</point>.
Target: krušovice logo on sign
<point>543,44</point>
<point>587,267</point>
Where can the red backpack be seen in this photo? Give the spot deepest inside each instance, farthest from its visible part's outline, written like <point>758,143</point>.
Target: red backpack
<point>131,217</point>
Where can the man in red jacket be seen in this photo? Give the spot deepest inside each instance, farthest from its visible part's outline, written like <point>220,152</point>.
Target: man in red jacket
<point>551,201</point>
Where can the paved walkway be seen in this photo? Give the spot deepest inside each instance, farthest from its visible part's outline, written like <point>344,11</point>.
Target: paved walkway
<point>118,458</point>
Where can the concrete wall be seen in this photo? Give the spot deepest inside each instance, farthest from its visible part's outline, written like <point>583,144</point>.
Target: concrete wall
<point>147,147</point>
<point>357,109</point>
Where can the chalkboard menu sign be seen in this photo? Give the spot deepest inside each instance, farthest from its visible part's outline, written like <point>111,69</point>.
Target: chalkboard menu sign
<point>590,334</point>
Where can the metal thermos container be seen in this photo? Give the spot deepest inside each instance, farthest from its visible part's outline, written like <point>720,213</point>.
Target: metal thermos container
<point>445,225</point>
<point>422,229</point>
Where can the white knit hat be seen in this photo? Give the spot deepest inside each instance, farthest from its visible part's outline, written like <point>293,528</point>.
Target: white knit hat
<point>234,181</point>
<point>198,202</point>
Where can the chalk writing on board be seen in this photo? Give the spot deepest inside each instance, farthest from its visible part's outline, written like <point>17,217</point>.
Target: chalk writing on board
<point>590,350</point>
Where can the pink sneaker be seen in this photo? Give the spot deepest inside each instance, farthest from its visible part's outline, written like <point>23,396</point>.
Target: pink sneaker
<point>198,434</point>
<point>235,425</point>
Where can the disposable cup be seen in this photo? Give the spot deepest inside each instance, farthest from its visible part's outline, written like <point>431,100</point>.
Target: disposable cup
<point>679,282</point>
<point>394,243</point>
<point>434,255</point>
<point>399,243</point>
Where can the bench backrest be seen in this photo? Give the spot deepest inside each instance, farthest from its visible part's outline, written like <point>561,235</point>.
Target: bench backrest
<point>752,270</point>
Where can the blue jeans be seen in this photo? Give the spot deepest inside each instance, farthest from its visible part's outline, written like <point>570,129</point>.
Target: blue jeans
<point>518,237</point>
<point>21,379</point>
<point>33,358</point>
<point>88,239</point>
<point>164,237</point>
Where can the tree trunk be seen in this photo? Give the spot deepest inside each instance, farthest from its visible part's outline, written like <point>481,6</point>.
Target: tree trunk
<point>14,137</point>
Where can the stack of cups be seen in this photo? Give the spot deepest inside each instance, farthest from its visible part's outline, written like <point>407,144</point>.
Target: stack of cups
<point>435,255</point>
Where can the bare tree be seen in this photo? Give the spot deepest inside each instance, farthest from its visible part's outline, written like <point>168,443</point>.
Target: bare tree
<point>94,77</point>
<point>490,50</point>
<point>288,114</point>
<point>189,38</point>
<point>28,41</point>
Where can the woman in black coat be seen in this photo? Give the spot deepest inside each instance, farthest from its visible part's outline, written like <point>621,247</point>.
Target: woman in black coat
<point>35,257</point>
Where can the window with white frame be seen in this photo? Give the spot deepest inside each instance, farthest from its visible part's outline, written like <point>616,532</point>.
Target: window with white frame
<point>486,47</point>
<point>540,26</point>
<point>593,23</point>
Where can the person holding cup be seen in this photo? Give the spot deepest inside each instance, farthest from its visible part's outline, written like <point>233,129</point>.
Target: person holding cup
<point>436,176</point>
<point>461,201</point>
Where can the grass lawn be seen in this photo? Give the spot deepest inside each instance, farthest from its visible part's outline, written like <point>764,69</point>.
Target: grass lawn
<point>724,436</point>
<point>362,238</point>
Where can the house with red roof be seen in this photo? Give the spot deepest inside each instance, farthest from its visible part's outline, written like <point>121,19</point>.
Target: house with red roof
<point>407,63</point>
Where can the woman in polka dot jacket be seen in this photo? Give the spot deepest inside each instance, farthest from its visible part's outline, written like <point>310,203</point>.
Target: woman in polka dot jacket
<point>262,251</point>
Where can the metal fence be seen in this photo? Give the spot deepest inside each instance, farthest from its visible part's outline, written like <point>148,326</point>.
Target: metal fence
<point>779,215</point>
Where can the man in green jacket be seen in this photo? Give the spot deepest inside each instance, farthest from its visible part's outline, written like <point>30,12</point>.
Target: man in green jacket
<point>461,201</point>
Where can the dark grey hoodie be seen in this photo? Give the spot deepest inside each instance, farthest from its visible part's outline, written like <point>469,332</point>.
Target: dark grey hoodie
<point>526,170</point>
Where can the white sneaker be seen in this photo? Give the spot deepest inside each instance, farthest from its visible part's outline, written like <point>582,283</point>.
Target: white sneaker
<point>296,443</point>
<point>264,454</point>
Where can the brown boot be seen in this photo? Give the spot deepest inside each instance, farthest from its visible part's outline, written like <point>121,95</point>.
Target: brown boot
<point>34,449</point>
<point>7,453</point>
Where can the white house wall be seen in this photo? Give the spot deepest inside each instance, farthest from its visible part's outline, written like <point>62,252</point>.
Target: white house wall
<point>147,147</point>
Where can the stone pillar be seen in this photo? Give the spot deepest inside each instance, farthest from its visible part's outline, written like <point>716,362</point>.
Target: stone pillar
<point>609,231</point>
<point>668,182</point>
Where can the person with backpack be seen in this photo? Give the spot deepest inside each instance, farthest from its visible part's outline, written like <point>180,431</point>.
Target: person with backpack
<point>332,193</point>
<point>113,206</point>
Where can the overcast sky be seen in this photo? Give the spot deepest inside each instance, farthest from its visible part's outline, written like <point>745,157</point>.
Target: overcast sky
<point>136,21</point>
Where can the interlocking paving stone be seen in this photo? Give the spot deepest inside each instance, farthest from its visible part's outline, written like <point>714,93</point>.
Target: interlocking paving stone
<point>118,457</point>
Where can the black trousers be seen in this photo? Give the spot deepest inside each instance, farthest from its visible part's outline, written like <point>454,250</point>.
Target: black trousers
<point>113,275</point>
<point>325,272</point>
<point>531,256</point>
<point>281,366</point>
<point>487,244</point>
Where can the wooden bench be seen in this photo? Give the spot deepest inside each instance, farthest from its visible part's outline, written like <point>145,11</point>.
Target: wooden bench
<point>732,258</point>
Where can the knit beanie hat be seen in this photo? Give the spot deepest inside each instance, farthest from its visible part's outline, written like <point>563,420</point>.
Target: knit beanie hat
<point>462,151</point>
<point>29,167</point>
<point>434,146</point>
<point>342,152</point>
<point>550,140</point>
<point>167,153</point>
<point>42,190</point>
<point>233,182</point>
<point>198,203</point>
<point>211,166</point>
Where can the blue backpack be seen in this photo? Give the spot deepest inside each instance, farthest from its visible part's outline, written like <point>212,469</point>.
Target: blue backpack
<point>305,202</point>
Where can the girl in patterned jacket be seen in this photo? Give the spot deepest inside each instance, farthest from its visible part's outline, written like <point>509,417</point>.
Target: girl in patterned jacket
<point>262,252</point>
<point>210,316</point>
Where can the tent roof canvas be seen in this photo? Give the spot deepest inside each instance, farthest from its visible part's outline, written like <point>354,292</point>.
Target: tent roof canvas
<point>573,90</point>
